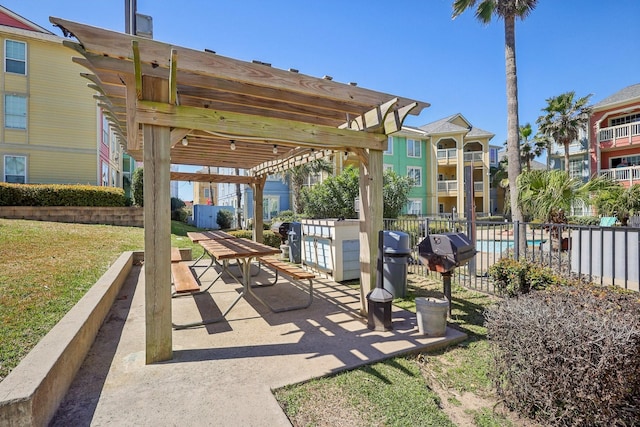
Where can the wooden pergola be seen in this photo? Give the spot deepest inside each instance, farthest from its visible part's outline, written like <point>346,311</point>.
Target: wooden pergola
<point>173,105</point>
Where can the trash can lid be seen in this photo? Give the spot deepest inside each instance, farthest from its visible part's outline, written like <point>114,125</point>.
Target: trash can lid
<point>395,240</point>
<point>432,302</point>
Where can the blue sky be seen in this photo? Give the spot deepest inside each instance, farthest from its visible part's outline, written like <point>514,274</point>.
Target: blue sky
<point>410,48</point>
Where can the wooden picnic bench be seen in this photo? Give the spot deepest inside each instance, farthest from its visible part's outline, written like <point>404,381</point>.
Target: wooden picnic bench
<point>292,271</point>
<point>182,277</point>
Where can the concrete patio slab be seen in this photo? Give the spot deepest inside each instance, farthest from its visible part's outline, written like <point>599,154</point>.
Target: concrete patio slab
<point>223,374</point>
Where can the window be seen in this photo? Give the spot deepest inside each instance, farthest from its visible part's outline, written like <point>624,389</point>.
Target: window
<point>15,169</point>
<point>105,174</point>
<point>105,131</point>
<point>15,112</point>
<point>387,167</point>
<point>271,207</point>
<point>389,151</point>
<point>414,207</point>
<point>416,175</point>
<point>206,193</point>
<point>625,119</point>
<point>493,156</point>
<point>15,57</point>
<point>414,148</point>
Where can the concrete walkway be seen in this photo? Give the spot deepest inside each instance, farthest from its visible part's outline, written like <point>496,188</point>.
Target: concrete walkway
<point>223,374</point>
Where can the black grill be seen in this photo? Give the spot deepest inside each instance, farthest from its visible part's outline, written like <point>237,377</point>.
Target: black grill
<point>444,252</point>
<point>281,229</point>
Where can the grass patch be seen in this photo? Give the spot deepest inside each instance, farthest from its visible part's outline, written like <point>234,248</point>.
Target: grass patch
<point>389,393</point>
<point>46,267</point>
<point>405,385</point>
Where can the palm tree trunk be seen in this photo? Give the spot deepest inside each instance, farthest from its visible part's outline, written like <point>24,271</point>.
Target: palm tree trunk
<point>513,128</point>
<point>566,157</point>
<point>513,145</point>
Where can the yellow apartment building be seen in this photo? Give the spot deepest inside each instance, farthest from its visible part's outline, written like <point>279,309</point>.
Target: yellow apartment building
<point>52,129</point>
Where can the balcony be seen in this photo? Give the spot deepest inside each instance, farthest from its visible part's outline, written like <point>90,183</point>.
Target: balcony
<point>626,176</point>
<point>619,135</point>
<point>447,156</point>
<point>478,187</point>
<point>449,188</point>
<point>473,157</point>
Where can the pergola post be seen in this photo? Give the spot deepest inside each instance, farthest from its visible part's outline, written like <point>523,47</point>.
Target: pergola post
<point>258,205</point>
<point>371,221</point>
<point>157,230</point>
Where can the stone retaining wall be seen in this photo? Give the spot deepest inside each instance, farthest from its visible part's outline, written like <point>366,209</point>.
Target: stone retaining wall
<point>124,216</point>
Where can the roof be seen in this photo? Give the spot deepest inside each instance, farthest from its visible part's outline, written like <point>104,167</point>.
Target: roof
<point>447,125</point>
<point>273,118</point>
<point>628,94</point>
<point>9,18</point>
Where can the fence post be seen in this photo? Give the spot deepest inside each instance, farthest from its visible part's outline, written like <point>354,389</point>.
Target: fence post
<point>516,240</point>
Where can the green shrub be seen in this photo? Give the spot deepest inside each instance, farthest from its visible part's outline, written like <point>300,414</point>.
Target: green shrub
<point>60,195</point>
<point>137,187</point>
<point>493,218</point>
<point>269,237</point>
<point>584,220</point>
<point>512,278</point>
<point>568,356</point>
<point>224,219</point>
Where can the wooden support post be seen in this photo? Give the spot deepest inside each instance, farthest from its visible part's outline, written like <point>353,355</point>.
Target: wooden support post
<point>157,230</point>
<point>258,204</point>
<point>371,221</point>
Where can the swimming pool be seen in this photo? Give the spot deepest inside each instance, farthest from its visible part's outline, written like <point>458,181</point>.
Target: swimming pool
<point>499,246</point>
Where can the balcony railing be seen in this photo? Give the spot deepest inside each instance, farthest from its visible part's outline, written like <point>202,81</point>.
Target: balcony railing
<point>628,131</point>
<point>448,186</point>
<point>447,154</point>
<point>473,156</point>
<point>629,174</point>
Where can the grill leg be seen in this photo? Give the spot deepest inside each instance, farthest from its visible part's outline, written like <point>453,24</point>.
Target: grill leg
<point>446,282</point>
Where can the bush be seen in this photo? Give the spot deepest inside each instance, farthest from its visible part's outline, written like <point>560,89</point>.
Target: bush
<point>584,220</point>
<point>137,187</point>
<point>569,356</point>
<point>269,237</point>
<point>60,195</point>
<point>224,219</point>
<point>512,278</point>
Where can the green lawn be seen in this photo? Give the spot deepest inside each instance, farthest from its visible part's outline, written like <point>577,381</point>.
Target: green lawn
<point>45,268</point>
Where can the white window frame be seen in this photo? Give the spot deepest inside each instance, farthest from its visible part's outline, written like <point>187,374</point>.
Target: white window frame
<point>411,204</point>
<point>270,204</point>
<point>8,58</point>
<point>414,148</point>
<point>4,168</point>
<point>410,169</point>
<point>105,174</point>
<point>386,167</point>
<point>389,150</point>
<point>10,102</point>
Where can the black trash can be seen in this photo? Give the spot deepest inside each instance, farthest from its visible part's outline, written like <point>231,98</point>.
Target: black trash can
<point>397,251</point>
<point>294,237</point>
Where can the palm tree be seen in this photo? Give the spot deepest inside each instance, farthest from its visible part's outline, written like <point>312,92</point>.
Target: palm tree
<point>298,175</point>
<point>508,11</point>
<point>530,149</point>
<point>619,201</point>
<point>547,195</point>
<point>564,117</point>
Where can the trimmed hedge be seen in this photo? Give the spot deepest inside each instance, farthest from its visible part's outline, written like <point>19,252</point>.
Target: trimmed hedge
<point>568,356</point>
<point>60,195</point>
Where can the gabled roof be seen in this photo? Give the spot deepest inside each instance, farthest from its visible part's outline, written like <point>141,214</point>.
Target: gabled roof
<point>628,94</point>
<point>448,125</point>
<point>11,19</point>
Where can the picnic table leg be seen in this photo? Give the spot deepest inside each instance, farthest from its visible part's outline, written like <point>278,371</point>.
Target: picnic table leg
<point>245,286</point>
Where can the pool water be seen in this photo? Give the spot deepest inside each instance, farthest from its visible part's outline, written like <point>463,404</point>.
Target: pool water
<point>499,246</point>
